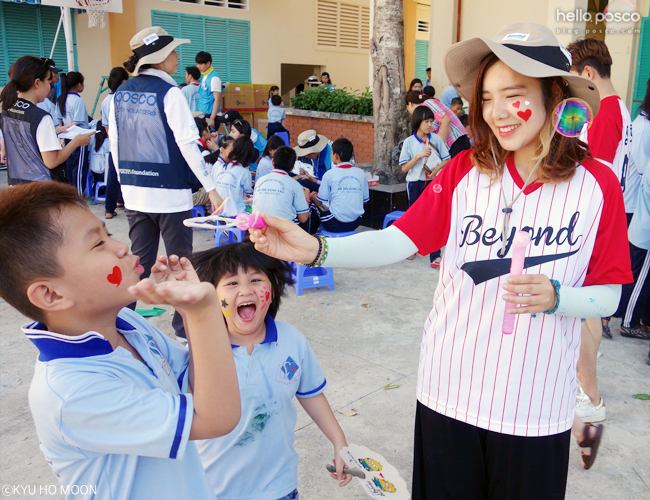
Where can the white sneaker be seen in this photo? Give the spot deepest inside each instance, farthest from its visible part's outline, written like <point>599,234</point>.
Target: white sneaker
<point>585,409</point>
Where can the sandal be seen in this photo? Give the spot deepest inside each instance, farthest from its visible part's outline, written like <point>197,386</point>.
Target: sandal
<point>635,333</point>
<point>591,442</point>
<point>606,332</point>
<point>110,215</point>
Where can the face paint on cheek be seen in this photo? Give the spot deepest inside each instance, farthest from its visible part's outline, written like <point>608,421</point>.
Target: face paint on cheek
<point>224,304</point>
<point>115,278</point>
<point>265,296</point>
<point>524,115</point>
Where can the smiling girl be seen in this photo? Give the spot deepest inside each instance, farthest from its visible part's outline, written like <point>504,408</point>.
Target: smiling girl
<point>274,363</point>
<point>494,411</point>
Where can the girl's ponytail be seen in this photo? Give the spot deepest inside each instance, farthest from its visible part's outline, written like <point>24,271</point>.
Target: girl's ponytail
<point>23,73</point>
<point>68,81</point>
<point>131,63</point>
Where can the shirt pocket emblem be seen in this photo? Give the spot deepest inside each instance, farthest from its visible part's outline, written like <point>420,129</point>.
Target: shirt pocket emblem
<point>287,371</point>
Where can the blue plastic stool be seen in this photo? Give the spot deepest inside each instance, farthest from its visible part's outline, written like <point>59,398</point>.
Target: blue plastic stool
<point>98,186</point>
<point>198,211</point>
<point>392,217</point>
<point>89,184</point>
<point>233,235</point>
<point>329,234</point>
<point>313,277</point>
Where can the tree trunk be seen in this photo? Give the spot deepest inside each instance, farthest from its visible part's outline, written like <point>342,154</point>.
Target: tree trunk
<point>390,115</point>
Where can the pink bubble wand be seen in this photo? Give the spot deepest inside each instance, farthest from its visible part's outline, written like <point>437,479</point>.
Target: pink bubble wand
<point>521,241</point>
<point>242,221</point>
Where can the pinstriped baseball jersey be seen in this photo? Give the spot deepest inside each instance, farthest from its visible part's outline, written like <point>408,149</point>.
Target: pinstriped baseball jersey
<point>524,383</point>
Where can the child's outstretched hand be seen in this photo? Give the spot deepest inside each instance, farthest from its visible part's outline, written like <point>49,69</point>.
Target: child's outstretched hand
<point>173,269</point>
<point>184,296</point>
<point>343,479</point>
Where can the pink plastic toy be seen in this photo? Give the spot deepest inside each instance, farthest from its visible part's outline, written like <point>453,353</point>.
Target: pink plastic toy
<point>521,241</point>
<point>249,221</point>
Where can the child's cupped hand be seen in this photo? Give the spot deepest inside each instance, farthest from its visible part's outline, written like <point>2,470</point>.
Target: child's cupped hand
<point>184,296</point>
<point>339,463</point>
<point>173,268</point>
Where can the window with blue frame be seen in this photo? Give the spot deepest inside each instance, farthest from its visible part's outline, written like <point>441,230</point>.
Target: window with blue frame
<point>28,30</point>
<point>227,40</point>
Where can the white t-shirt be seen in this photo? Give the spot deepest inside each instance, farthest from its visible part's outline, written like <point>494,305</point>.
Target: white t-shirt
<point>264,167</point>
<point>106,108</point>
<point>345,189</point>
<point>521,384</point>
<point>46,135</point>
<point>231,182</point>
<point>280,195</point>
<point>641,143</point>
<point>75,111</point>
<point>181,122</point>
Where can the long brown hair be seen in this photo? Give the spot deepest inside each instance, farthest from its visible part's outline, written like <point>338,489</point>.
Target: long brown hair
<point>24,72</point>
<point>561,155</point>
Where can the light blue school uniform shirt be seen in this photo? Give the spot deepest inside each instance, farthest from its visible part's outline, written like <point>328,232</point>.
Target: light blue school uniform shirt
<point>640,148</point>
<point>231,182</point>
<point>276,114</point>
<point>108,421</point>
<point>257,459</point>
<point>345,189</point>
<point>75,111</point>
<point>191,93</point>
<point>264,167</point>
<point>50,108</point>
<point>447,95</point>
<point>639,230</point>
<point>280,195</point>
<point>106,107</point>
<point>413,146</point>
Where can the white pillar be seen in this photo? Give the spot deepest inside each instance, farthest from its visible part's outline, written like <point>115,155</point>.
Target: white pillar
<point>67,29</point>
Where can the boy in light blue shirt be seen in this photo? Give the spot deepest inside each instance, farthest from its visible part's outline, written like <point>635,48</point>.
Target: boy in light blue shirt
<point>275,362</point>
<point>279,194</point>
<point>115,402</point>
<point>191,90</point>
<point>344,188</point>
<point>275,115</point>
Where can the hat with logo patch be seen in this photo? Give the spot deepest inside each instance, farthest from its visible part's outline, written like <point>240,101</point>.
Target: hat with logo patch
<point>309,142</point>
<point>153,45</point>
<point>529,49</point>
<point>229,116</point>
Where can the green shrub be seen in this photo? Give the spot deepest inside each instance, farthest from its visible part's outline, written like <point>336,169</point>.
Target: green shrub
<point>335,101</point>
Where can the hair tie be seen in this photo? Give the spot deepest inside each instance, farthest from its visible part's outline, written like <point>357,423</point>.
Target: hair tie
<point>422,95</point>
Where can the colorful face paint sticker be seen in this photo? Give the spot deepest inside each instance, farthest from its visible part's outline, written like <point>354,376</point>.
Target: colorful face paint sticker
<point>570,117</point>
<point>224,304</point>
<point>516,104</point>
<point>115,278</point>
<point>437,188</point>
<point>524,115</point>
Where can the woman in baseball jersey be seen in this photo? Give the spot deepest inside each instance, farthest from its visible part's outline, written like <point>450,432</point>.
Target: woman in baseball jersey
<point>495,410</point>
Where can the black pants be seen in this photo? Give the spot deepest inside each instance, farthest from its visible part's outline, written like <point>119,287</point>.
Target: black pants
<point>58,174</point>
<point>113,189</point>
<point>312,224</point>
<point>413,192</point>
<point>634,306</point>
<point>76,167</point>
<point>272,128</point>
<point>333,225</point>
<point>461,144</point>
<point>455,460</point>
<point>145,230</point>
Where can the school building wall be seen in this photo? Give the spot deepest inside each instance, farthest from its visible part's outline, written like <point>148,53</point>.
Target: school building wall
<point>480,18</point>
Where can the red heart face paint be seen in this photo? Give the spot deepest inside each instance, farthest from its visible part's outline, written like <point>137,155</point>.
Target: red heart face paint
<point>524,115</point>
<point>516,104</point>
<point>115,278</point>
<point>265,296</point>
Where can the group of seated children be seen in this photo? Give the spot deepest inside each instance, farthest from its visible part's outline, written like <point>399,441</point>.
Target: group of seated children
<point>122,408</point>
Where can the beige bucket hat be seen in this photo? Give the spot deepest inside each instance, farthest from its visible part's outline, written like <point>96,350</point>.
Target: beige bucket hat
<point>310,141</point>
<point>529,49</point>
<point>153,45</point>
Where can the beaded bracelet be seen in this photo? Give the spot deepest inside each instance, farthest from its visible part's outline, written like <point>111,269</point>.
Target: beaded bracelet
<point>320,249</point>
<point>556,285</point>
<point>320,259</point>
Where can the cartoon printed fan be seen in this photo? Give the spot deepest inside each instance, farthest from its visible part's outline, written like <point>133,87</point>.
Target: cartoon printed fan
<point>377,477</point>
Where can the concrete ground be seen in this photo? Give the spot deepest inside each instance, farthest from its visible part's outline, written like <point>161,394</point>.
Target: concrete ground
<point>367,335</point>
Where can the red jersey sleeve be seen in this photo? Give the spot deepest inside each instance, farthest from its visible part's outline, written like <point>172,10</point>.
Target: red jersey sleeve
<point>610,259</point>
<point>606,131</point>
<point>428,220</point>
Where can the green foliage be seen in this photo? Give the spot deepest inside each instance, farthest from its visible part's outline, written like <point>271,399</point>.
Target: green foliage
<point>335,101</point>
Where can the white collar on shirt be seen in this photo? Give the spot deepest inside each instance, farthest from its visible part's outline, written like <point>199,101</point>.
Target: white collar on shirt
<point>159,73</point>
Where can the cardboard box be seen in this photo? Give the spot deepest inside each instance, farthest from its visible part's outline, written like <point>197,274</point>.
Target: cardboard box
<point>261,95</point>
<point>260,122</point>
<point>248,117</point>
<point>238,96</point>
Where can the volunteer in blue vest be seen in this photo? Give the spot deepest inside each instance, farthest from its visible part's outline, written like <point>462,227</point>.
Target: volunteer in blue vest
<point>154,147</point>
<point>210,87</point>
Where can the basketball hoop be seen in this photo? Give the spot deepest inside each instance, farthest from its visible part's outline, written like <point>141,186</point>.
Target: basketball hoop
<point>96,10</point>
